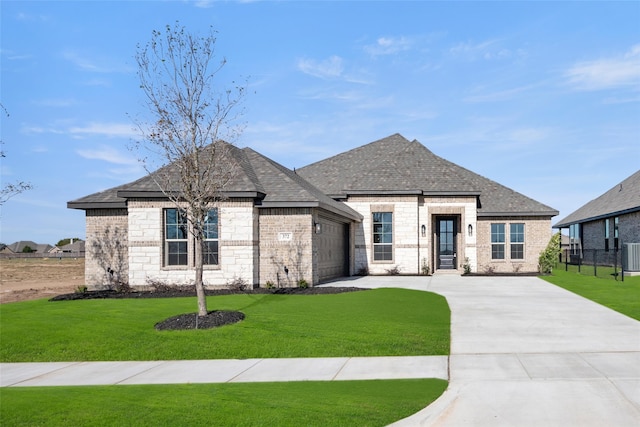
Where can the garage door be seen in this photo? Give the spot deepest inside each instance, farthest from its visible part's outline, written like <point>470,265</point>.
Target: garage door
<point>333,258</point>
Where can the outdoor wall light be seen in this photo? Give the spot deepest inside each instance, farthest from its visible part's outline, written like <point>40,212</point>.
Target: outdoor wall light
<point>318,227</point>
<point>470,229</point>
<point>424,230</point>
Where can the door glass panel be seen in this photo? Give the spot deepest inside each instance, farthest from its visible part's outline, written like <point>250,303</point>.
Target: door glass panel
<point>446,243</point>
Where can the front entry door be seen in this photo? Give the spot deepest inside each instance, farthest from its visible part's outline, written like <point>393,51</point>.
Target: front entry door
<point>446,251</point>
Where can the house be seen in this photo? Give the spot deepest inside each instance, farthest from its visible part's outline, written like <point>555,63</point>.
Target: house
<point>31,247</point>
<point>75,248</point>
<point>388,206</point>
<point>607,221</point>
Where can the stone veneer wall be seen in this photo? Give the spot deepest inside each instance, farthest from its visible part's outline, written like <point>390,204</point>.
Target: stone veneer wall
<point>412,249</point>
<point>406,240</point>
<point>286,241</point>
<point>99,222</point>
<point>238,245</point>
<point>464,209</point>
<point>537,233</point>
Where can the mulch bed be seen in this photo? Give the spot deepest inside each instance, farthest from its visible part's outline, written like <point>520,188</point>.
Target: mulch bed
<point>213,319</point>
<point>188,321</point>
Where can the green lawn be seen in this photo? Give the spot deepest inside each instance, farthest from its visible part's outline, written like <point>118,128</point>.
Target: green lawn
<point>382,322</point>
<point>373,323</point>
<point>623,297</point>
<point>337,403</point>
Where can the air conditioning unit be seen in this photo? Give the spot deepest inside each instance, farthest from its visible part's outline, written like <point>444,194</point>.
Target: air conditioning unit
<point>631,257</point>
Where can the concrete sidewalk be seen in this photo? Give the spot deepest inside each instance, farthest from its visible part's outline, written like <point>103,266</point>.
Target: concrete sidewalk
<point>222,371</point>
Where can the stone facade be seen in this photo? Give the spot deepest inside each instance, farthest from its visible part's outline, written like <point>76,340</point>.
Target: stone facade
<point>279,246</point>
<point>238,246</point>
<point>414,231</point>
<point>537,233</point>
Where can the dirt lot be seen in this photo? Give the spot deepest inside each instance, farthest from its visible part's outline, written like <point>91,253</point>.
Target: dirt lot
<point>33,278</point>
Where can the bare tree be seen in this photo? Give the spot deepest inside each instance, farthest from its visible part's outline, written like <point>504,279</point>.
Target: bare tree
<point>193,124</point>
<point>11,189</point>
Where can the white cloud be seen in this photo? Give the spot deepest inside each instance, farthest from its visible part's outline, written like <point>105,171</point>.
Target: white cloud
<point>96,65</point>
<point>110,130</point>
<point>500,95</point>
<point>11,55</point>
<point>105,129</point>
<point>109,155</point>
<point>54,102</point>
<point>330,68</point>
<point>607,73</point>
<point>487,50</point>
<point>389,45</point>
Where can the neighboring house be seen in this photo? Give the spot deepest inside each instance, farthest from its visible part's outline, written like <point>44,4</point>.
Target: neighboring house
<point>607,221</point>
<point>76,248</point>
<point>388,205</point>
<point>18,247</point>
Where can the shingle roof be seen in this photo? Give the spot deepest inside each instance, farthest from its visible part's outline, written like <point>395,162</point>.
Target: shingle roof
<point>622,198</point>
<point>395,165</point>
<point>18,247</point>
<point>258,177</point>
<point>284,187</point>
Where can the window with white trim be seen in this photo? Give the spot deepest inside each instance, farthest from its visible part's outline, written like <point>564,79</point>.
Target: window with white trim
<point>382,236</point>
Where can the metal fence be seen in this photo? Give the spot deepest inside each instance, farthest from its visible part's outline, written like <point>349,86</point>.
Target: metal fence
<point>606,264</point>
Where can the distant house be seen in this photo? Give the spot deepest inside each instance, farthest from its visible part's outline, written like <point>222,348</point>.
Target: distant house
<point>19,247</point>
<point>76,248</point>
<point>607,221</point>
<point>388,206</point>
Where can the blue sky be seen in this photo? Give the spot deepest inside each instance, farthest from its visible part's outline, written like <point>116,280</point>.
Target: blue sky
<point>543,97</point>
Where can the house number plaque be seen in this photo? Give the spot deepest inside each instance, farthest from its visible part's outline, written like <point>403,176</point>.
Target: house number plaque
<point>285,236</point>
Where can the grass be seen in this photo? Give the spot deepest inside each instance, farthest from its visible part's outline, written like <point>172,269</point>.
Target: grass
<point>623,297</point>
<point>337,403</point>
<point>382,322</point>
<point>603,272</point>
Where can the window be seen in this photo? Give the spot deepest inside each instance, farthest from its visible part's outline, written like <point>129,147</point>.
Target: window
<point>382,236</point>
<point>606,235</point>
<point>497,241</point>
<point>516,240</point>
<point>615,233</point>
<point>175,237</point>
<point>574,239</point>
<point>210,253</point>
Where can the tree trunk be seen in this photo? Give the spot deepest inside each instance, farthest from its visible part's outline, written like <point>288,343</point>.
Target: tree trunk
<point>202,299</point>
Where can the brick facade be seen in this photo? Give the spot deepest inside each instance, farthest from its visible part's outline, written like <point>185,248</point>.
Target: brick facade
<point>537,233</point>
<point>286,247</point>
<point>105,227</point>
<point>593,232</point>
<point>279,246</point>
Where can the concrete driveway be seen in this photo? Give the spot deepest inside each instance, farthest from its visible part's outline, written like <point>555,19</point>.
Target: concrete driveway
<point>527,353</point>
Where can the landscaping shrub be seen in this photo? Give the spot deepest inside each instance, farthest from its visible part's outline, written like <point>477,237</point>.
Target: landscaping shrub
<point>549,257</point>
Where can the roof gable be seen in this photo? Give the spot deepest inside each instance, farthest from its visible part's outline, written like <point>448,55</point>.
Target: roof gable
<point>258,177</point>
<point>395,165</point>
<point>622,198</point>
